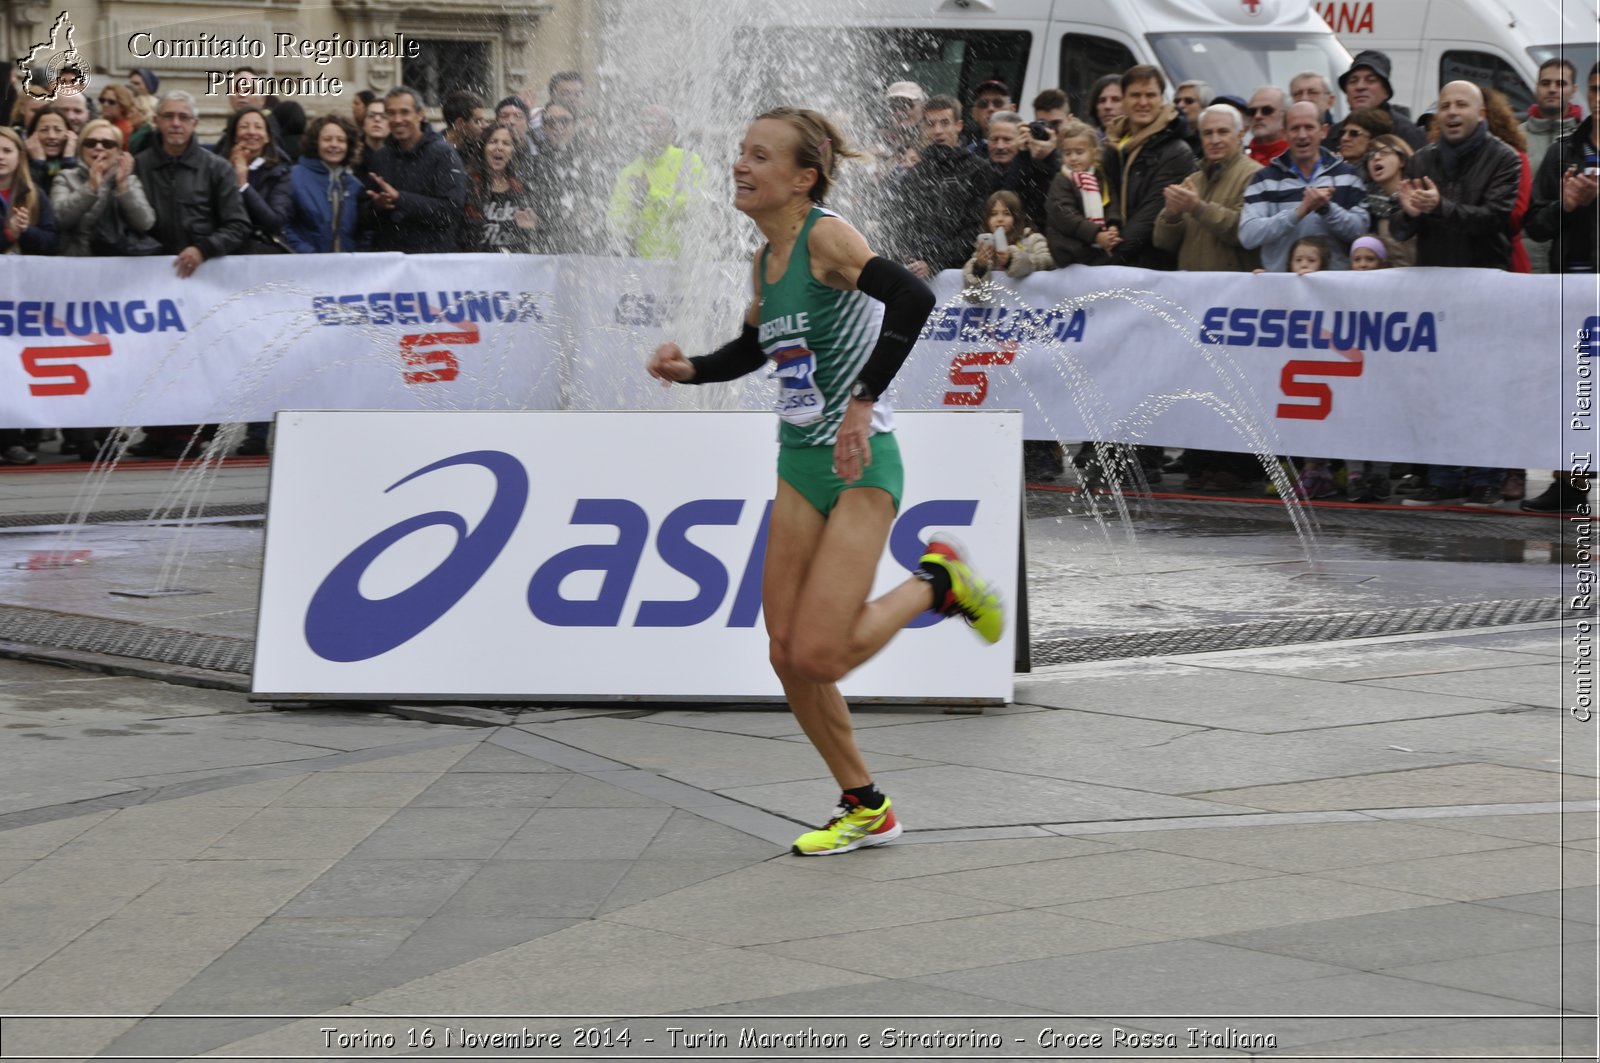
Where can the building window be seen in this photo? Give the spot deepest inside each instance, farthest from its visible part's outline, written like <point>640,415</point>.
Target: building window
<point>446,66</point>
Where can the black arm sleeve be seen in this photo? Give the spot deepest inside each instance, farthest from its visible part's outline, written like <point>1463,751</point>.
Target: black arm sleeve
<point>907,302</point>
<point>732,360</point>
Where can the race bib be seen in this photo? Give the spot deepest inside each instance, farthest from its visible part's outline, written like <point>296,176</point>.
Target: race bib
<point>799,400</point>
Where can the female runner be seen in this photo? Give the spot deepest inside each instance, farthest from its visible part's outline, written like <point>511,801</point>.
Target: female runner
<point>839,472</point>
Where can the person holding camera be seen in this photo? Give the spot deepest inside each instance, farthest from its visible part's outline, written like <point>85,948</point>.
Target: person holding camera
<point>1038,157</point>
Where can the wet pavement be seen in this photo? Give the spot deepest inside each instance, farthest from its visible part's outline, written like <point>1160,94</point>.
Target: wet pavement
<point>1360,849</point>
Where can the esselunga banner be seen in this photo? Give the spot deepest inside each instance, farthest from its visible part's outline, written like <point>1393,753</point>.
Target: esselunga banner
<point>537,556</point>
<point>1473,367</point>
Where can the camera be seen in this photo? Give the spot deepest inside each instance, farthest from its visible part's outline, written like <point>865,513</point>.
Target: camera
<point>1040,131</point>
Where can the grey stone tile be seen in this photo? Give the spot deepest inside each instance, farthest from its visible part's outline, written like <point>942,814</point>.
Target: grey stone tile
<point>157,832</point>
<point>1313,847</point>
<point>1410,936</point>
<point>1550,828</point>
<point>584,791</point>
<point>1469,1042</point>
<point>1176,823</point>
<point>548,889</point>
<point>688,836</point>
<point>445,941</point>
<point>973,834</point>
<point>66,1036</point>
<point>1525,738</point>
<point>585,834</point>
<point>126,964</point>
<point>648,985</point>
<point>708,759</point>
<point>340,729</point>
<point>754,822</point>
<point>214,888</point>
<point>890,863</point>
<point>257,794</point>
<point>759,722</point>
<point>649,878</point>
<point>1526,684</point>
<point>773,902</point>
<point>946,797</point>
<point>646,789</point>
<point>1228,907</point>
<point>1120,981</point>
<point>38,840</point>
<point>297,966</point>
<point>1352,993</point>
<point>1247,702</point>
<point>1575,905</point>
<point>585,944</point>
<point>1457,785</point>
<point>356,790</point>
<point>527,739</point>
<point>1549,641</point>
<point>11,867</point>
<point>1050,743</point>
<point>1556,976</point>
<point>1211,760</point>
<point>356,887</point>
<point>485,789</point>
<point>298,833</point>
<point>888,997</point>
<point>440,758</point>
<point>1090,877</point>
<point>1476,876</point>
<point>959,944</point>
<point>1358,660</point>
<point>497,758</point>
<point>443,833</point>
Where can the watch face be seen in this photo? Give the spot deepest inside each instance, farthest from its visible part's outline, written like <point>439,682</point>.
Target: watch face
<point>860,391</point>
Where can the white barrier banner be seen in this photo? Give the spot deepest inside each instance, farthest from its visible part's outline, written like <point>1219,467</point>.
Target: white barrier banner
<point>1470,367</point>
<point>1450,366</point>
<point>105,341</point>
<point>590,555</point>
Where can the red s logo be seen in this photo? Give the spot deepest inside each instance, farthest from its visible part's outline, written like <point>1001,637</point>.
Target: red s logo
<point>46,363</point>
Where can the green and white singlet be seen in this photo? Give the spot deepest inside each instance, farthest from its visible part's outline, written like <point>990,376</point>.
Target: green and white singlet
<point>818,338</point>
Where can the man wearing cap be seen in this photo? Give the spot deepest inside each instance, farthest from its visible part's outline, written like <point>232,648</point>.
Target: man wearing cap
<point>990,96</point>
<point>903,127</point>
<point>1366,84</point>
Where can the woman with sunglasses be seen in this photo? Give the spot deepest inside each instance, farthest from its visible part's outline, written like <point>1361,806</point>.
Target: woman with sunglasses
<point>120,107</point>
<point>100,203</point>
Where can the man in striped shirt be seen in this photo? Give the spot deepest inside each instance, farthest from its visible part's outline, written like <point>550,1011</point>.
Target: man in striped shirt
<point>1306,191</point>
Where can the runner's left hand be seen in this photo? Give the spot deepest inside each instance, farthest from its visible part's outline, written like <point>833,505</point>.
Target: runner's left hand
<point>851,452</point>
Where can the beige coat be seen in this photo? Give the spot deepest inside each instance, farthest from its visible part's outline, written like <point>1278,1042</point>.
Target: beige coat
<point>1031,254</point>
<point>1209,241</point>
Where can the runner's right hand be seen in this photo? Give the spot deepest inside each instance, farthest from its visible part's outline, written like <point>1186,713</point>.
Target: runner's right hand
<point>669,365</point>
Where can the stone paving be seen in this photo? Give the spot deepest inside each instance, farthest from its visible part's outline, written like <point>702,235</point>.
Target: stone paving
<point>1355,850</point>
<point>1402,830</point>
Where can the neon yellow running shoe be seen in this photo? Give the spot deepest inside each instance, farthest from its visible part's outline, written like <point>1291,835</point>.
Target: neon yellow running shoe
<point>970,596</point>
<point>852,827</point>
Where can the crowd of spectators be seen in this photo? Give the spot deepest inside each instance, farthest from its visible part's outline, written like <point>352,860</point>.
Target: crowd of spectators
<point>1134,175</point>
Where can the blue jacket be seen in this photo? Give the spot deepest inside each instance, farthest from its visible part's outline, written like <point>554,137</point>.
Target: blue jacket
<point>1267,219</point>
<point>40,237</point>
<point>309,229</point>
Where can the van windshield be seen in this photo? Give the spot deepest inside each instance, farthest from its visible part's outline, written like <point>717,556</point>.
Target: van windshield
<point>1237,64</point>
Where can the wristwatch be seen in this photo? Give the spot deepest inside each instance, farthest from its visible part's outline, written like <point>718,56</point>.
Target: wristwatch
<point>859,390</point>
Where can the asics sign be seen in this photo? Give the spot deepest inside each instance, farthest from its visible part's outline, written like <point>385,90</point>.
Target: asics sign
<point>621,570</point>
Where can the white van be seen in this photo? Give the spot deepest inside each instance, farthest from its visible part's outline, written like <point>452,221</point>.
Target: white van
<point>950,46</point>
<point>1495,43</point>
